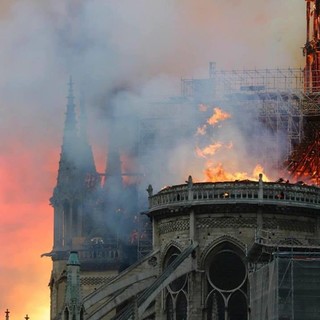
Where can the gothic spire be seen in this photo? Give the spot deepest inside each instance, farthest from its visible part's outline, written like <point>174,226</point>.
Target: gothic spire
<point>86,150</point>
<point>70,125</point>
<point>69,149</point>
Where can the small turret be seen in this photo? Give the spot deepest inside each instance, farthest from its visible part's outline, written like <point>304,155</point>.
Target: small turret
<point>73,306</point>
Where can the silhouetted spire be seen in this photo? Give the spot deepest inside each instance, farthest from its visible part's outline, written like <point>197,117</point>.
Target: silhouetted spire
<point>86,150</point>
<point>7,314</point>
<point>70,145</point>
<point>70,125</point>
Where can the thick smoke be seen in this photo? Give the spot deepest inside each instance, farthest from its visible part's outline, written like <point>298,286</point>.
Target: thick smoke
<point>126,55</point>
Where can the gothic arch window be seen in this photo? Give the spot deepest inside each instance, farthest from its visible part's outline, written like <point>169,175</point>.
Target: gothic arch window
<point>226,283</point>
<point>66,314</point>
<point>226,271</point>
<point>215,306</point>
<point>237,306</point>
<point>82,314</point>
<point>179,283</point>
<point>176,293</point>
<point>169,307</point>
<point>181,306</point>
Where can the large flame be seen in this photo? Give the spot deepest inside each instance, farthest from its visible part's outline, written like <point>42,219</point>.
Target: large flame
<point>217,116</point>
<point>216,172</point>
<point>208,150</point>
<point>214,168</point>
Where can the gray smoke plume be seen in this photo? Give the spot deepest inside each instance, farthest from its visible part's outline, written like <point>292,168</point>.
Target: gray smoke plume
<point>128,56</point>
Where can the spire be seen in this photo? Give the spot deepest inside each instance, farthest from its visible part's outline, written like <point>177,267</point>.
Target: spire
<point>70,125</point>
<point>7,314</point>
<point>86,150</point>
<point>69,148</point>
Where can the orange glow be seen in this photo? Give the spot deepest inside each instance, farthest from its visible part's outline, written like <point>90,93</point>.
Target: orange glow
<point>129,170</point>
<point>216,173</point>
<point>218,115</point>
<point>26,221</point>
<point>209,150</point>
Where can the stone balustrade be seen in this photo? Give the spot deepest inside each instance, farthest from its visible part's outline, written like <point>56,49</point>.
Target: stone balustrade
<point>235,192</point>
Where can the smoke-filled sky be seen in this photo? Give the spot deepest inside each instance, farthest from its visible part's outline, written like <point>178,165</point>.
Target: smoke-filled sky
<point>139,47</point>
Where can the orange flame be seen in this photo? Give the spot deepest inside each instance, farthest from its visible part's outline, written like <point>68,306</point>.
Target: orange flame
<point>218,173</point>
<point>218,115</point>
<point>130,175</point>
<point>209,150</point>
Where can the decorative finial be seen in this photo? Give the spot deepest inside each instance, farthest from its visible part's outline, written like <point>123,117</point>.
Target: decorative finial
<point>7,314</point>
<point>260,176</point>
<point>150,190</point>
<point>190,182</point>
<point>27,317</point>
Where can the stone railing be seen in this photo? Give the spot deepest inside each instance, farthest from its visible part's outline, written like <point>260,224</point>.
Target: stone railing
<point>235,192</point>
<point>93,253</point>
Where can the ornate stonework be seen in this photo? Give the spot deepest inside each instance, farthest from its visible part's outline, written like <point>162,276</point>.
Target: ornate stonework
<point>173,226</point>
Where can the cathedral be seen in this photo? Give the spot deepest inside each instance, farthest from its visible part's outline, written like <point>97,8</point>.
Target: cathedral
<point>94,215</point>
<point>234,250</point>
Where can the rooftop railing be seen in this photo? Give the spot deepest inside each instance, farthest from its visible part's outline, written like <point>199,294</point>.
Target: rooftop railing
<point>286,194</point>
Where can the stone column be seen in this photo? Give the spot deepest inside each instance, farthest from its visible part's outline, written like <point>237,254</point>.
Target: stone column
<point>155,234</point>
<point>192,225</point>
<point>195,306</point>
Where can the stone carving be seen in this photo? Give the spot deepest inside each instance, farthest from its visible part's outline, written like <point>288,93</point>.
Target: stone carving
<point>174,226</point>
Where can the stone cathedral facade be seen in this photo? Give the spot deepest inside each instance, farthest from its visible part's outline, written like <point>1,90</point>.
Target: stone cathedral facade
<point>220,251</point>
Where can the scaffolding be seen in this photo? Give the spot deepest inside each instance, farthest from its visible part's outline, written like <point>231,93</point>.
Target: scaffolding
<point>287,288</point>
<point>284,103</point>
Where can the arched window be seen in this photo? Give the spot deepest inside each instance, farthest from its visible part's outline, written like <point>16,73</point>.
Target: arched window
<point>176,292</point>
<point>227,271</point>
<point>66,314</point>
<point>237,306</point>
<point>179,283</point>
<point>215,306</point>
<point>82,314</point>
<point>181,307</point>
<point>169,307</point>
<point>226,276</point>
